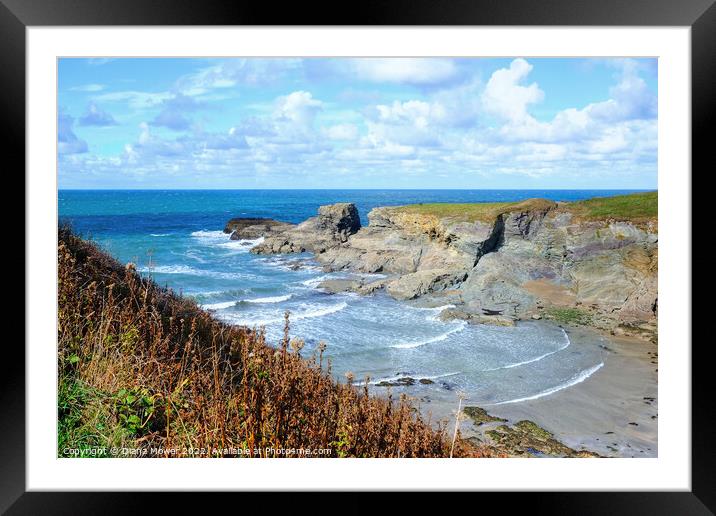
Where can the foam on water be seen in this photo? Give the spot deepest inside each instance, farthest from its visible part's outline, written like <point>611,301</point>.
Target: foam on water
<point>275,299</point>
<point>577,378</point>
<point>536,359</point>
<point>241,245</point>
<point>436,311</point>
<point>314,282</point>
<point>219,306</point>
<point>210,235</point>
<point>439,338</point>
<point>308,313</point>
<point>191,271</point>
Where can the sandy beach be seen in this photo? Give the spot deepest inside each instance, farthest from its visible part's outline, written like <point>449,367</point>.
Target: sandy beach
<point>612,413</point>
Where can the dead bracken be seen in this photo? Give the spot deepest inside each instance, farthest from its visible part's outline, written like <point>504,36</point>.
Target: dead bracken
<point>141,367</point>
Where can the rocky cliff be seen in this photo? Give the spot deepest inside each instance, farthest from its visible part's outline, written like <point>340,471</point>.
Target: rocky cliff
<point>495,263</point>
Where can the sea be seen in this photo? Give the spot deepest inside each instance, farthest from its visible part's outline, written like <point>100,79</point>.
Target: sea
<point>176,237</point>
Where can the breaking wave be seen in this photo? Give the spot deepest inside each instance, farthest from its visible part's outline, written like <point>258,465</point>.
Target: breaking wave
<point>439,338</point>
<point>577,378</point>
<point>536,359</point>
<point>275,299</point>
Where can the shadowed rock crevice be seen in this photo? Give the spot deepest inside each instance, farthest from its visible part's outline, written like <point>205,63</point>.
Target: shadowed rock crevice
<point>494,241</point>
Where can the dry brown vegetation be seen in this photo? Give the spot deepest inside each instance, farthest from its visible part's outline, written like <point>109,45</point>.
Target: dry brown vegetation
<point>145,369</point>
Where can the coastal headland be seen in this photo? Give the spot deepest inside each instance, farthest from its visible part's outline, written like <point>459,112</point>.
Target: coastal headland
<point>589,263</point>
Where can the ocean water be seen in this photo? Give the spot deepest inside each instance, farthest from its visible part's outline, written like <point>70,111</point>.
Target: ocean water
<point>176,237</point>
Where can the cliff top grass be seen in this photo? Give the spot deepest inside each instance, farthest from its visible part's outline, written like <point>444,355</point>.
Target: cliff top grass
<point>638,208</point>
<point>474,212</point>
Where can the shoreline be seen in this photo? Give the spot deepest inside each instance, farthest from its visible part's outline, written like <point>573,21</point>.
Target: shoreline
<point>609,409</point>
<point>613,412</point>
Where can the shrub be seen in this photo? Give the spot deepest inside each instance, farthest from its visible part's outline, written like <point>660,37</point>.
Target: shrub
<point>145,368</point>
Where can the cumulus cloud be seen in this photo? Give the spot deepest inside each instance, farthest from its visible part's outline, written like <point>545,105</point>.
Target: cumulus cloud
<point>403,124</point>
<point>67,140</point>
<point>464,129</point>
<point>149,147</point>
<point>621,127</point>
<point>298,107</point>
<point>174,112</point>
<point>630,97</point>
<point>233,139</point>
<point>341,132</point>
<point>94,115</point>
<point>506,97</point>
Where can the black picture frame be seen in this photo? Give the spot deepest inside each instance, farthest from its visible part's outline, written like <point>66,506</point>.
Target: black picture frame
<point>700,15</point>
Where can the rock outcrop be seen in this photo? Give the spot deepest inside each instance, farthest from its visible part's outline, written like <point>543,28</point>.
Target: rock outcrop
<point>518,263</point>
<point>252,227</point>
<point>330,228</point>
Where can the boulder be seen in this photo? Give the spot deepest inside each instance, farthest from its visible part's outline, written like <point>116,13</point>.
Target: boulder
<point>335,286</point>
<point>252,227</point>
<point>419,283</point>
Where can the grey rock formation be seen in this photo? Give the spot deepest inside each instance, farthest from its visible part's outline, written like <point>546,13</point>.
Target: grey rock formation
<point>518,265</point>
<point>331,227</point>
<point>416,284</point>
<point>252,227</point>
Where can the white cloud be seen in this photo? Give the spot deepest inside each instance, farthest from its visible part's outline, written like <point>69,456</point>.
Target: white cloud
<point>590,133</point>
<point>67,140</point>
<point>429,131</point>
<point>341,132</point>
<point>233,72</point>
<point>630,97</point>
<point>407,70</point>
<point>96,116</point>
<point>174,112</point>
<point>298,107</point>
<point>137,100</point>
<point>506,97</point>
<point>88,88</point>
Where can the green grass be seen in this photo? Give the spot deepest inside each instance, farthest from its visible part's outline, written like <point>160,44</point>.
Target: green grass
<point>639,207</point>
<point>472,212</point>
<point>85,421</point>
<point>573,316</point>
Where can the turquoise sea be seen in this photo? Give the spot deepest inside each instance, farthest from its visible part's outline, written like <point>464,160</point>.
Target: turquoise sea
<point>176,237</point>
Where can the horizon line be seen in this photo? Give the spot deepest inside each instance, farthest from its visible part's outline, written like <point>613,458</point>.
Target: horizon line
<point>342,189</point>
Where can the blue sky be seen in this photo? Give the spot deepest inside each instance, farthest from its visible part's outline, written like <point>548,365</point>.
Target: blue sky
<point>357,123</point>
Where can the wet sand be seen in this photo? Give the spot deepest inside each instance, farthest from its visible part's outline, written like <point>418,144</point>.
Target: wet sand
<point>612,413</point>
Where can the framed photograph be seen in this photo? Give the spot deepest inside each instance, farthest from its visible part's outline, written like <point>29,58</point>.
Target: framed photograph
<point>452,242</point>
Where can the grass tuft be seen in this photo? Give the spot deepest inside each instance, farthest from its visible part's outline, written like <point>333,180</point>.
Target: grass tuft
<point>573,316</point>
<point>638,207</point>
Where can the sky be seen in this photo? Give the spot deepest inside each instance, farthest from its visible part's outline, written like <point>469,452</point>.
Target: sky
<point>252,123</point>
